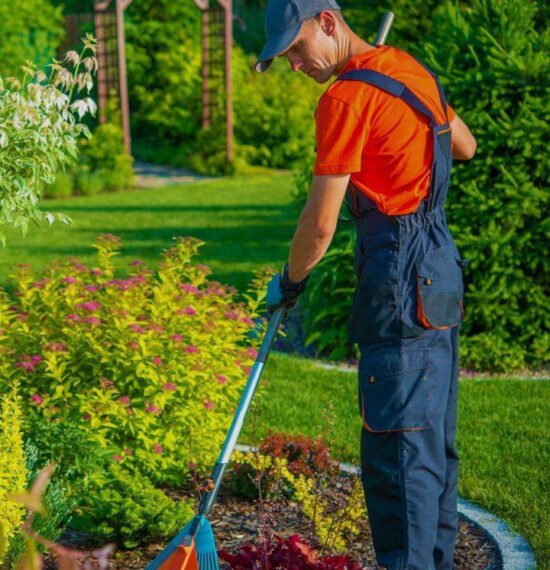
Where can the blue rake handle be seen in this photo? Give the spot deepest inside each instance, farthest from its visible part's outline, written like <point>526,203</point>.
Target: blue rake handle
<point>235,429</point>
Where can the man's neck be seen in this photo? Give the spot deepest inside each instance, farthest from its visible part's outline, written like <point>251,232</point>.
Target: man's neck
<point>351,46</point>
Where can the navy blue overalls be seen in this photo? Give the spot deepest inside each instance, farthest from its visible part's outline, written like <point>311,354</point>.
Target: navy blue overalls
<point>405,317</point>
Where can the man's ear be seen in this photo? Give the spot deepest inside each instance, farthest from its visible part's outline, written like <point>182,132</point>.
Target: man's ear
<point>327,21</point>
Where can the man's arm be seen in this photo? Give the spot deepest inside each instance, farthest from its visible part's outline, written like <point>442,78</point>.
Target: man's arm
<point>463,143</point>
<point>317,224</point>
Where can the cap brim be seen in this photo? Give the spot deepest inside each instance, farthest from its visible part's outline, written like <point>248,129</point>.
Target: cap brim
<point>277,45</point>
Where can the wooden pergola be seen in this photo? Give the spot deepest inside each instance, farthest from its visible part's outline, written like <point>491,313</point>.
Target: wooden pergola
<point>216,41</point>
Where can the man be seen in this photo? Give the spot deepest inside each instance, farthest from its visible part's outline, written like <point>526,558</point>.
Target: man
<point>385,136</point>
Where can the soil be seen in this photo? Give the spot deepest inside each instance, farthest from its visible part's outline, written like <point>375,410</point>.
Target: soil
<point>235,521</point>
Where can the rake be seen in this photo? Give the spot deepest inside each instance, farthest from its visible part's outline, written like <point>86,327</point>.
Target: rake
<point>193,548</point>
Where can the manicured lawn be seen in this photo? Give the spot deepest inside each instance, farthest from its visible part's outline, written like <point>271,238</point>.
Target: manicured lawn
<point>247,224</point>
<point>503,436</point>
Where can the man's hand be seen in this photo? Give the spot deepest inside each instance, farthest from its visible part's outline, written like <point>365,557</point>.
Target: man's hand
<point>281,291</point>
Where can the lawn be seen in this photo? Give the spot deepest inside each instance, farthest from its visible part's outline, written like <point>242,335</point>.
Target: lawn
<point>502,436</point>
<point>247,224</point>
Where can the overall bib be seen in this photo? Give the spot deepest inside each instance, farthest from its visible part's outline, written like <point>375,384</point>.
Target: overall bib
<point>405,317</point>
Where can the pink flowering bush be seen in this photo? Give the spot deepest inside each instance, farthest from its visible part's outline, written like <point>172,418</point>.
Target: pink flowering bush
<point>150,364</point>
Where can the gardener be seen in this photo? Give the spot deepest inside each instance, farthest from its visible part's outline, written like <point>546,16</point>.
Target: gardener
<point>385,136</point>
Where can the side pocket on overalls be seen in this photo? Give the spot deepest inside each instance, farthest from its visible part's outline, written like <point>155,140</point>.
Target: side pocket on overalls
<point>394,391</point>
<point>439,289</point>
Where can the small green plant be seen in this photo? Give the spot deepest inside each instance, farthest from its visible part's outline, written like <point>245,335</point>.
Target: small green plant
<point>39,129</point>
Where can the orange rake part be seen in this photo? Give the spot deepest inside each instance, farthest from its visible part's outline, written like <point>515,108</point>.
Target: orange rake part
<point>183,558</point>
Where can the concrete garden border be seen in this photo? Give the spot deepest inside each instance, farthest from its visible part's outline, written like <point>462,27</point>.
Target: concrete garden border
<point>513,551</point>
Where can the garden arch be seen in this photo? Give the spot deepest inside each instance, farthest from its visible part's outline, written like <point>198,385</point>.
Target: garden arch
<point>107,23</point>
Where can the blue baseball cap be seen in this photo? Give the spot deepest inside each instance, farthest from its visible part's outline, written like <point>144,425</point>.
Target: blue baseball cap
<point>283,22</point>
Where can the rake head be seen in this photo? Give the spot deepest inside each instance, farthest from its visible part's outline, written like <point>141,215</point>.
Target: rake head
<point>185,553</point>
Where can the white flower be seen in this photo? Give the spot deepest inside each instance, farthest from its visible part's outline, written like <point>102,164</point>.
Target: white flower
<point>3,139</point>
<point>92,107</point>
<point>72,57</point>
<point>80,107</point>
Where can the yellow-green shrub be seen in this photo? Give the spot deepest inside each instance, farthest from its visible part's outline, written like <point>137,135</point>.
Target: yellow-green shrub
<point>150,365</point>
<point>315,501</point>
<point>12,468</point>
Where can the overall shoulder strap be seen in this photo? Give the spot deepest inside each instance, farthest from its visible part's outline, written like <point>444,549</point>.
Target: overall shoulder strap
<point>392,86</point>
<point>442,97</point>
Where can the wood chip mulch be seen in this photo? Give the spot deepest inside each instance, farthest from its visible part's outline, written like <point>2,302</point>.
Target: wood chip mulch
<point>235,521</point>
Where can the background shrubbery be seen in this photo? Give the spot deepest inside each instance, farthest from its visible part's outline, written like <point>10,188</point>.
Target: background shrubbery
<point>493,63</point>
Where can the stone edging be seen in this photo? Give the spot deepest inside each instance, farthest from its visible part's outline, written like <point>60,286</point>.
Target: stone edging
<point>515,552</point>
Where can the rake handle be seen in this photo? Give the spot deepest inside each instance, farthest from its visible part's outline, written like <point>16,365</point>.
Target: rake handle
<point>238,420</point>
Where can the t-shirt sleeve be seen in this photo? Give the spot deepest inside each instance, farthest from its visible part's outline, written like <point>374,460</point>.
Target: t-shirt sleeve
<point>450,113</point>
<point>340,135</point>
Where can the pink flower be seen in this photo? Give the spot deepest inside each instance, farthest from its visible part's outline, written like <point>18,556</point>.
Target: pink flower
<point>118,458</point>
<point>36,399</point>
<point>127,452</point>
<point>231,315</point>
<point>69,279</point>
<point>156,328</point>
<point>106,383</point>
<point>89,306</point>
<point>134,345</point>
<point>38,284</point>
<point>190,311</point>
<point>93,321</point>
<point>152,409</point>
<point>26,365</point>
<point>86,417</point>
<point>252,352</point>
<point>248,321</point>
<point>191,349</point>
<point>170,387</point>
<point>92,288</point>
<point>142,317</point>
<point>208,404</point>
<point>158,448</point>
<point>177,337</point>
<point>56,347</point>
<point>124,400</point>
<point>36,358</point>
<point>22,316</point>
<point>188,288</point>
<point>72,318</point>
<point>203,268</point>
<point>221,378</point>
<point>136,262</point>
<point>96,271</point>
<point>136,328</point>
<point>157,361</point>
<point>247,370</point>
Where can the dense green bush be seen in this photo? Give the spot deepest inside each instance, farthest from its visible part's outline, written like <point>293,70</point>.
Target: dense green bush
<point>31,30</point>
<point>61,187</point>
<point>126,507</point>
<point>104,154</point>
<point>493,64</point>
<point>148,364</point>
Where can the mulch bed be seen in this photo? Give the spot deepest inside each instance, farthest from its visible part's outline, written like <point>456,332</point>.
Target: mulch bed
<point>236,521</point>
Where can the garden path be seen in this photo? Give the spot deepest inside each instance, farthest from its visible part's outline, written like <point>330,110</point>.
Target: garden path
<point>155,175</point>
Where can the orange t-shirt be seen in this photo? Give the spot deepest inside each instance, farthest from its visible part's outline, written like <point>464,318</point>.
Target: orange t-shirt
<point>382,141</point>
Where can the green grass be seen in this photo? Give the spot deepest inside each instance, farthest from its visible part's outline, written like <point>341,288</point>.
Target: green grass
<point>503,436</point>
<point>247,224</point>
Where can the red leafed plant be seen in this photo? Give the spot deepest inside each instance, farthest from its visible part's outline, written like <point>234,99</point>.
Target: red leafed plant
<point>305,455</point>
<point>291,553</point>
